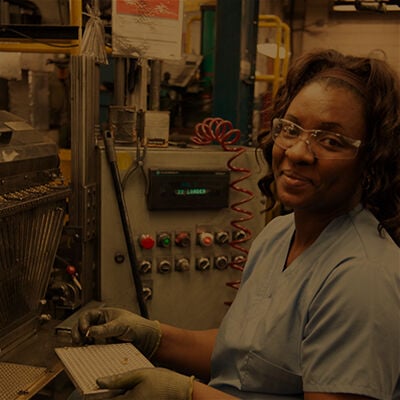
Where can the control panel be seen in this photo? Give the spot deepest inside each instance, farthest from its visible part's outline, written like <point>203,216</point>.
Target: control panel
<point>187,189</point>
<point>180,210</point>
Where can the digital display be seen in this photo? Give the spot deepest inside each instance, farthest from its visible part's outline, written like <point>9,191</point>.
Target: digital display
<point>187,189</point>
<point>191,191</point>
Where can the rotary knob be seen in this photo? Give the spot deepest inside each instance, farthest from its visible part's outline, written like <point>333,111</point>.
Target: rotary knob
<point>182,264</point>
<point>239,235</point>
<point>164,266</point>
<point>221,262</point>
<point>145,266</point>
<point>203,264</point>
<point>239,261</point>
<point>222,237</point>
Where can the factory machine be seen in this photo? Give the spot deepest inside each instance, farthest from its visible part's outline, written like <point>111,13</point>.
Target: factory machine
<point>171,225</point>
<point>33,202</point>
<point>32,208</point>
<point>193,213</point>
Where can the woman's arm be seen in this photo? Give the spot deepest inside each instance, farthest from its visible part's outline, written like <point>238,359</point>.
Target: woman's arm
<point>333,396</point>
<point>187,351</point>
<point>204,392</point>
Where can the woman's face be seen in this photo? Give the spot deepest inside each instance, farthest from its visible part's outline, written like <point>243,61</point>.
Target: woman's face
<point>305,183</point>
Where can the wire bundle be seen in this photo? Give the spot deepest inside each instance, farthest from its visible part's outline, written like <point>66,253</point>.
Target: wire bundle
<point>93,40</point>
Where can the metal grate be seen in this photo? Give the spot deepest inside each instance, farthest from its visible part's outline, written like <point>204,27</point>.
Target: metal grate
<point>85,364</point>
<point>29,238</point>
<point>16,379</point>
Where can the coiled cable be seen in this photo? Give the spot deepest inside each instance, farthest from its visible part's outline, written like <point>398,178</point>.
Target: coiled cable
<point>217,130</point>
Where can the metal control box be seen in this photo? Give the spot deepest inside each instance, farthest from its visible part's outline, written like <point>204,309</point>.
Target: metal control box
<point>184,251</point>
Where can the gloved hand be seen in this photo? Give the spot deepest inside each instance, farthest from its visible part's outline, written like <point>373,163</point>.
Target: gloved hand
<point>116,323</point>
<point>150,384</point>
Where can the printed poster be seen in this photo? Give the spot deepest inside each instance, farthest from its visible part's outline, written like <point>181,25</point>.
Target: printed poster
<point>147,28</point>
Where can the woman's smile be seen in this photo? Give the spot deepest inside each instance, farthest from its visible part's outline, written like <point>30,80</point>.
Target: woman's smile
<point>292,179</point>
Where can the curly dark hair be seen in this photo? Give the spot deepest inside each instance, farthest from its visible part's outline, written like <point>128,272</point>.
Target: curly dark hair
<point>381,146</point>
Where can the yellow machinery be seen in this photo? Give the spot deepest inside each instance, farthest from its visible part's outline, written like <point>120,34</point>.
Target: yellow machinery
<point>53,46</point>
<point>276,52</point>
<point>282,50</point>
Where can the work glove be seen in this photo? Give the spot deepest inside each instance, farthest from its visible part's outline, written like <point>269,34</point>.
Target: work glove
<point>150,384</point>
<point>119,325</point>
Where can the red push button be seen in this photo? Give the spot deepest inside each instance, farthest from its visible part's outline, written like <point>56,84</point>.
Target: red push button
<point>182,239</point>
<point>146,242</point>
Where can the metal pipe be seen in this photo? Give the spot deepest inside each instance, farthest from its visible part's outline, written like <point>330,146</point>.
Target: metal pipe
<point>155,84</point>
<point>119,81</point>
<point>123,211</point>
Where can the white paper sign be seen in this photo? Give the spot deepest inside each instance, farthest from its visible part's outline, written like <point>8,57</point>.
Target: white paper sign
<point>147,28</point>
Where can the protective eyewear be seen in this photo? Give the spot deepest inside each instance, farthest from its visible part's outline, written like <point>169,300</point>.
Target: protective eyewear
<point>323,144</point>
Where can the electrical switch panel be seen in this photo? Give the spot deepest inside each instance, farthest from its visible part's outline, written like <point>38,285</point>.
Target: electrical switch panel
<point>183,247</point>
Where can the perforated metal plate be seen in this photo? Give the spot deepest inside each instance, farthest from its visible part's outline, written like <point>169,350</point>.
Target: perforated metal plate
<point>16,379</point>
<point>85,364</point>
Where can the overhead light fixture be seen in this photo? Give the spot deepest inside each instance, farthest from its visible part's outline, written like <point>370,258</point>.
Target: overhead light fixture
<point>358,5</point>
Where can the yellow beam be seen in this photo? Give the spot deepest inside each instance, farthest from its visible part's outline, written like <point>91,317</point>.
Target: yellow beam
<point>268,78</point>
<point>70,47</point>
<point>50,46</point>
<point>76,20</point>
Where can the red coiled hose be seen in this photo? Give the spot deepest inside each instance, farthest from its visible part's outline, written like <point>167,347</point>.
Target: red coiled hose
<point>218,130</point>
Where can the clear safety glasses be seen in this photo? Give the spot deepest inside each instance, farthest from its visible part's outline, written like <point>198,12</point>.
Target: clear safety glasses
<point>323,144</point>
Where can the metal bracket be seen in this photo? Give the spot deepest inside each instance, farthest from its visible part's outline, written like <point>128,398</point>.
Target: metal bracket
<point>89,212</point>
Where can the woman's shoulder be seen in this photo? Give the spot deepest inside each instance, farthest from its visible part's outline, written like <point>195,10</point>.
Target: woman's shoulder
<point>374,244</point>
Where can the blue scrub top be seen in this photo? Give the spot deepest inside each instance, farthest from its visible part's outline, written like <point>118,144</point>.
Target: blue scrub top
<point>330,322</point>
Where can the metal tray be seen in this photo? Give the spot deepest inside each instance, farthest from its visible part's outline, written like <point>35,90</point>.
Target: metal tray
<point>85,364</point>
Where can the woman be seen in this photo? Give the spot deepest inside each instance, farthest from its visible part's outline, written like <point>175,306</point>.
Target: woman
<point>318,311</point>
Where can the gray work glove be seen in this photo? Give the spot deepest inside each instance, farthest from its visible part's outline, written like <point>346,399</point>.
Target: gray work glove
<point>120,325</point>
<point>150,384</point>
